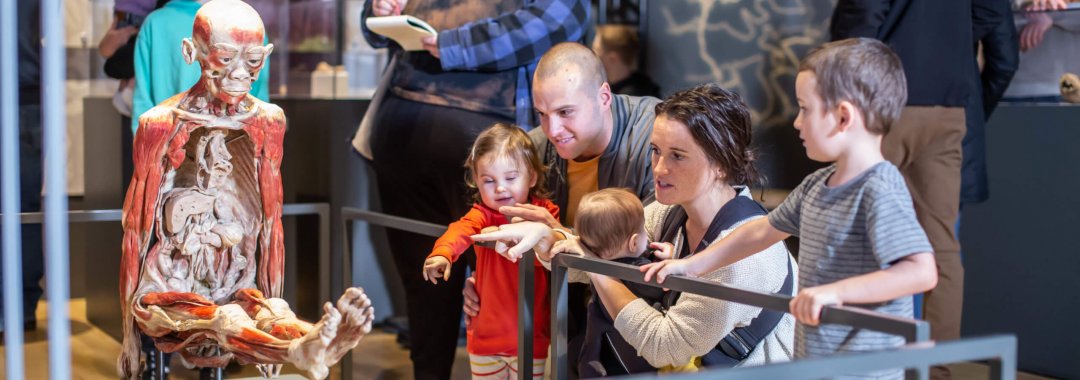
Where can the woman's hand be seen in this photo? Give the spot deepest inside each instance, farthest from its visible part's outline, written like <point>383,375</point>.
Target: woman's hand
<point>807,305</point>
<point>383,8</point>
<point>435,267</point>
<point>667,268</point>
<point>662,250</point>
<point>513,240</point>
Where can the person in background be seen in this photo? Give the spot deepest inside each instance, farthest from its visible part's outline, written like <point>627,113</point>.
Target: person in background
<point>30,169</point>
<point>118,49</point>
<point>1048,50</point>
<point>160,70</point>
<point>995,33</point>
<point>434,103</point>
<point>619,48</point>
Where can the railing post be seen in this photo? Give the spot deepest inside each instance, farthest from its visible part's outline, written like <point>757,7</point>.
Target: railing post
<point>1004,366</point>
<point>526,299</point>
<point>9,205</point>
<point>55,204</point>
<point>559,314</point>
<point>921,333</point>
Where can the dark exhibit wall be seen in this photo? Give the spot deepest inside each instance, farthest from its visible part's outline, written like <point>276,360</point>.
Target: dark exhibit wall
<point>1020,252</point>
<point>750,47</point>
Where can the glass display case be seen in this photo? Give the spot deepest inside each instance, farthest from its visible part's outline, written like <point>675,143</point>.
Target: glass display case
<point>1049,56</point>
<point>318,49</point>
<point>305,33</point>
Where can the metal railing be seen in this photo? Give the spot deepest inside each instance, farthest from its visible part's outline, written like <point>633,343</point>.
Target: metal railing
<point>116,215</point>
<point>915,357</point>
<point>911,330</point>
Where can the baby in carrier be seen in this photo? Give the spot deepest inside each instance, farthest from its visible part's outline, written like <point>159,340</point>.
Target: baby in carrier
<point>611,225</point>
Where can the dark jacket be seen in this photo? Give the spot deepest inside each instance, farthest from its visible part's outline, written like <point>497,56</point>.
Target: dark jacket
<point>993,26</point>
<point>928,35</point>
<point>29,52</point>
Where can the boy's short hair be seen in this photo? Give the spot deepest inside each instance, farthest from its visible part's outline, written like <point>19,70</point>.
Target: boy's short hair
<point>506,141</point>
<point>621,40</point>
<point>605,219</point>
<point>863,71</point>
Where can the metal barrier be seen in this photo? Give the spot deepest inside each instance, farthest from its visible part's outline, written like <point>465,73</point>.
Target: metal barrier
<point>999,350</point>
<point>912,330</point>
<point>916,356</point>
<point>54,132</point>
<point>114,215</point>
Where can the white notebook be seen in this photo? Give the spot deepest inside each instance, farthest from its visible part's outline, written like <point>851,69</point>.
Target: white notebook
<point>406,30</point>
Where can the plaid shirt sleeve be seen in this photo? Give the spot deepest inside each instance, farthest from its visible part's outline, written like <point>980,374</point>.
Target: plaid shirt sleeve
<point>513,39</point>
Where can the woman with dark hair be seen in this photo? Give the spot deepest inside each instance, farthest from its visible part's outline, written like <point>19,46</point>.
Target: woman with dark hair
<point>702,165</point>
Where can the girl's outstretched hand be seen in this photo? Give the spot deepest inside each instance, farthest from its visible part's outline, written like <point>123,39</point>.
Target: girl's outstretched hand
<point>436,267</point>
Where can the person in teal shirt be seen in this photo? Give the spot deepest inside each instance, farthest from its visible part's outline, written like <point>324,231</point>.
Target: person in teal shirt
<point>160,70</point>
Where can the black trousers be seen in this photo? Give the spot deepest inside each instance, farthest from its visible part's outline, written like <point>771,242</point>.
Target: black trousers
<point>419,151</point>
<point>30,173</point>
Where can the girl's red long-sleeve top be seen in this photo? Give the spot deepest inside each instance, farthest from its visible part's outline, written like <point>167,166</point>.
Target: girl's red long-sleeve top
<point>494,330</point>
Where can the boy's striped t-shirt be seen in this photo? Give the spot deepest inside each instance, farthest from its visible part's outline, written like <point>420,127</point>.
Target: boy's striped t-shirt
<point>855,228</point>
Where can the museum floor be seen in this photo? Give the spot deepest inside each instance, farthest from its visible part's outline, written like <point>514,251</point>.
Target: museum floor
<point>377,357</point>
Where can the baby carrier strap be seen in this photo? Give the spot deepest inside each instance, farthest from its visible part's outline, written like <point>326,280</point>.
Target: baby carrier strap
<point>740,343</point>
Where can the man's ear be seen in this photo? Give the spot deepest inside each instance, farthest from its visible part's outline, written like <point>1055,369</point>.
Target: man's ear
<point>188,50</point>
<point>269,49</point>
<point>605,95</point>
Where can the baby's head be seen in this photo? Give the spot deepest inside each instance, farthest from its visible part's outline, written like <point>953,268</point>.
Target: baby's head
<point>853,84</point>
<point>611,224</point>
<point>504,168</point>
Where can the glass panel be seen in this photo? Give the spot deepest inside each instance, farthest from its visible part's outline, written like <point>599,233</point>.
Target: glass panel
<point>1049,58</point>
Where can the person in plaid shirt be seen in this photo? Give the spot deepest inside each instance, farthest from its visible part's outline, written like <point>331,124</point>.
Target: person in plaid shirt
<point>424,118</point>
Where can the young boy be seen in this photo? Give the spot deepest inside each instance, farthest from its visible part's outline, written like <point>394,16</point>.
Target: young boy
<point>859,240</point>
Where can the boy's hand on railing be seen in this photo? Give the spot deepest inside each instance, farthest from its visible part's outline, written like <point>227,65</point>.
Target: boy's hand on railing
<point>807,305</point>
<point>529,213</point>
<point>471,307</point>
<point>662,250</point>
<point>435,267</point>
<point>667,268</point>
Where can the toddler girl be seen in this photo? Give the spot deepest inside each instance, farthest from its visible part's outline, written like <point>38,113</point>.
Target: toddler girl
<point>505,170</point>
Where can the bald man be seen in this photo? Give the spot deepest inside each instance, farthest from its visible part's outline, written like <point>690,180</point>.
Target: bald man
<point>591,139</point>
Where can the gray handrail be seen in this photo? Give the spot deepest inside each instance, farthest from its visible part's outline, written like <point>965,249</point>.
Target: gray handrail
<point>116,215</point>
<point>916,356</point>
<point>998,350</point>
<point>912,330</point>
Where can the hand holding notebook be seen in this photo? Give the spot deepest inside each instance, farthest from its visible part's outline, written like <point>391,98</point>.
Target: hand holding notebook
<point>406,30</point>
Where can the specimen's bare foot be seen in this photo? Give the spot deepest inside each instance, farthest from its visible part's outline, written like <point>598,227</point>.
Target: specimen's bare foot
<point>357,315</point>
<point>309,352</point>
